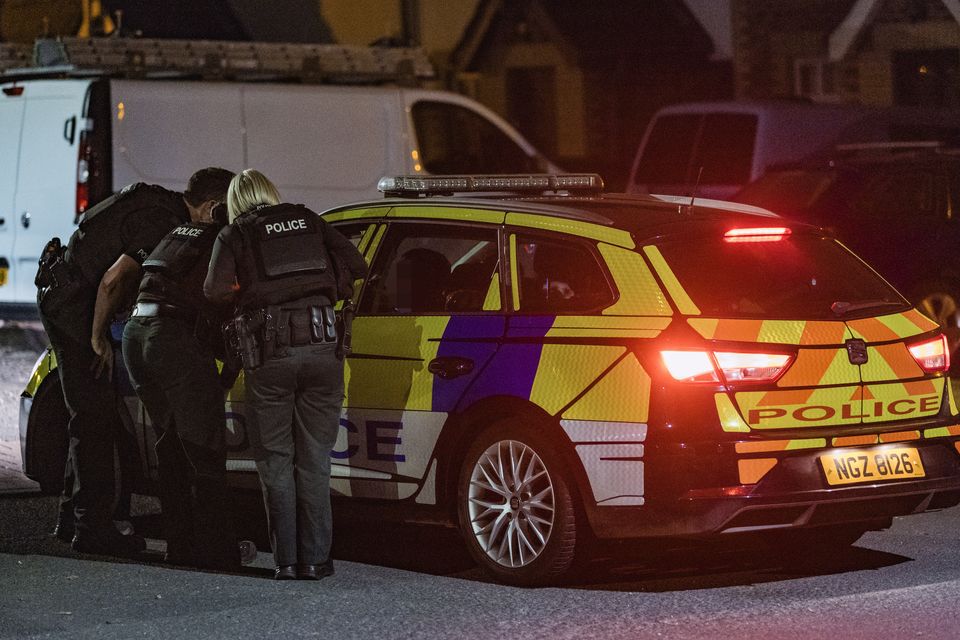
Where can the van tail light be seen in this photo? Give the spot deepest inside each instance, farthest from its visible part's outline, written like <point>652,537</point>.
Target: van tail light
<point>756,234</point>
<point>704,366</point>
<point>85,168</point>
<point>933,355</point>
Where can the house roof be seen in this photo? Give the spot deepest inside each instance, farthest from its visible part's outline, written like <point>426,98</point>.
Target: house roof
<point>600,32</point>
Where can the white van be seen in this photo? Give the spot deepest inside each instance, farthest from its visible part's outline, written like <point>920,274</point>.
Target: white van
<point>68,143</point>
<point>734,142</point>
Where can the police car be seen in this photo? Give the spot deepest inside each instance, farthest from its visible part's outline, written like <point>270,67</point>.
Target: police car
<point>541,363</point>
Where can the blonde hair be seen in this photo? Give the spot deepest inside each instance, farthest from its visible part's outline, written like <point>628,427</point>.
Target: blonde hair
<point>248,189</point>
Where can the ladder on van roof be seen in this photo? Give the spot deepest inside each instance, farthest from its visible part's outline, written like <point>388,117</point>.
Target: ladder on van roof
<point>214,60</point>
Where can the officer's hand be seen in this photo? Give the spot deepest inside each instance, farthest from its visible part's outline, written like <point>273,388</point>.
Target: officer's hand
<point>104,360</point>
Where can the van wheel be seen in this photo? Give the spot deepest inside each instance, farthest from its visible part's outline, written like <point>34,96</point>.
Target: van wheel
<point>515,507</point>
<point>47,437</point>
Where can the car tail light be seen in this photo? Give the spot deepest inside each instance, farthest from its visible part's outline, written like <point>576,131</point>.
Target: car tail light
<point>756,234</point>
<point>752,367</point>
<point>933,355</point>
<point>704,366</point>
<point>690,366</point>
<point>84,157</point>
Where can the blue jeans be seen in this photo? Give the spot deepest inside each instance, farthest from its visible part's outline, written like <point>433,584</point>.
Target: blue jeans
<point>293,413</point>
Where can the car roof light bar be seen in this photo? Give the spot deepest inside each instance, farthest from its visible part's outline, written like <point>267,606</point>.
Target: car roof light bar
<point>756,234</point>
<point>418,186</point>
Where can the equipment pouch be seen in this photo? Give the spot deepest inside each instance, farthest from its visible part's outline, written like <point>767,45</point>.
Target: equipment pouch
<point>329,324</point>
<point>316,324</point>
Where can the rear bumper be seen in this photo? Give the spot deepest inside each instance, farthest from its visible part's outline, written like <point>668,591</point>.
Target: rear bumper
<point>794,494</point>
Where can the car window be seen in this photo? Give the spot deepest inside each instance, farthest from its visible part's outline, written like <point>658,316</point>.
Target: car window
<point>798,277</point>
<point>457,140</point>
<point>433,268</point>
<point>559,276</point>
<point>353,231</point>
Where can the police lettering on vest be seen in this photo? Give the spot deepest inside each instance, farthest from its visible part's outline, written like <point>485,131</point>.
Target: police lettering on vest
<point>286,225</point>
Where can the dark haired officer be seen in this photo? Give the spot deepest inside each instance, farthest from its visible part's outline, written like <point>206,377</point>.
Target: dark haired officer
<point>277,262</point>
<point>168,347</point>
<point>81,287</point>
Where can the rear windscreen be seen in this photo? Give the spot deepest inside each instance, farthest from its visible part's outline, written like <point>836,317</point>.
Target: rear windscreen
<point>797,277</point>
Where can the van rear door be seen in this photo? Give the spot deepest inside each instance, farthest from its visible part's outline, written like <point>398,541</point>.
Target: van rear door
<point>44,196</point>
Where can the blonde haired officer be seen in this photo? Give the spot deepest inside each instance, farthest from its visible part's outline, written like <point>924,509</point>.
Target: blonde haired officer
<point>276,263</point>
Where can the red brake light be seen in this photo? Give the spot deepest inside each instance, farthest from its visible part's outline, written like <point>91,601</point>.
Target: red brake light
<point>933,355</point>
<point>698,366</point>
<point>756,234</point>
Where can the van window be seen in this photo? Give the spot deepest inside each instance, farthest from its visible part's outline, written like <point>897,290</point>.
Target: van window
<point>721,143</point>
<point>725,149</point>
<point>455,140</point>
<point>668,150</point>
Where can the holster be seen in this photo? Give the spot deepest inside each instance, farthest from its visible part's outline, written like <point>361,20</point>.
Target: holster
<point>345,329</point>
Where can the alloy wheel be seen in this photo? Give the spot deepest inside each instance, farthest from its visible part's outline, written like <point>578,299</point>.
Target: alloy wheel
<point>511,503</point>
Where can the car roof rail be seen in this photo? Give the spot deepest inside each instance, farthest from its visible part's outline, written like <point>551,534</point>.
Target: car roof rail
<point>215,60</point>
<point>520,184</point>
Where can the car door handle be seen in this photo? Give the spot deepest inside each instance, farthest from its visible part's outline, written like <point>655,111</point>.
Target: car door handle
<point>25,219</point>
<point>448,367</point>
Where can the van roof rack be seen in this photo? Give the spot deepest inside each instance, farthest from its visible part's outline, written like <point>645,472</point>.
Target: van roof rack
<point>215,60</point>
<point>528,184</point>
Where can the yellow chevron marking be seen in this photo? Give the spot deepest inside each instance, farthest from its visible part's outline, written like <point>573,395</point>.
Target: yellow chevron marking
<point>623,395</point>
<point>901,324</point>
<point>639,293</point>
<point>669,279</point>
<point>942,432</point>
<point>492,301</point>
<point>514,278</point>
<point>566,370</point>
<point>730,419</point>
<point>706,327</point>
<point>781,332</point>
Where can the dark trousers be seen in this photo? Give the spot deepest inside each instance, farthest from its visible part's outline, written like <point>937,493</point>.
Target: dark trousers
<point>176,379</point>
<point>88,490</point>
<point>293,413</point>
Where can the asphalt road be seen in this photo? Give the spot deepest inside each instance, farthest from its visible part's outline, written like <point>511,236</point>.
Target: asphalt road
<point>416,582</point>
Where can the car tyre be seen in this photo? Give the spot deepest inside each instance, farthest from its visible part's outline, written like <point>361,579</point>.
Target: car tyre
<point>47,436</point>
<point>515,507</point>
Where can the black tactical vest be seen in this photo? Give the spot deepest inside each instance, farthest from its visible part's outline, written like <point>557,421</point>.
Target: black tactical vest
<point>175,270</point>
<point>97,243</point>
<point>181,248</point>
<point>284,257</point>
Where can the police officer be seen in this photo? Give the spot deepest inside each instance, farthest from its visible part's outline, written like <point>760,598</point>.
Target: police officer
<point>168,347</point>
<point>278,263</point>
<point>80,289</point>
